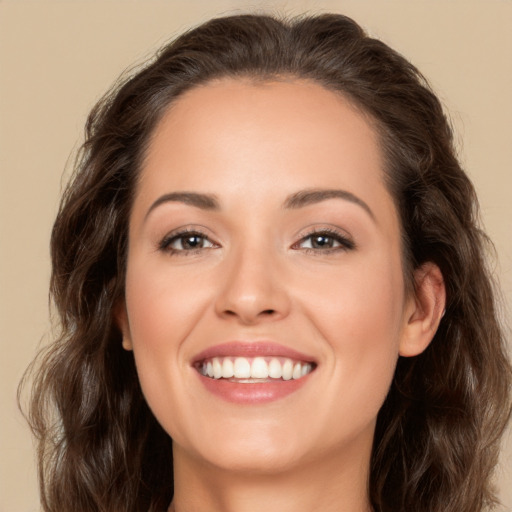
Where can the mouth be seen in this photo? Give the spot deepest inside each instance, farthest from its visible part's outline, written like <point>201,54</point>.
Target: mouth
<point>249,370</point>
<point>253,372</point>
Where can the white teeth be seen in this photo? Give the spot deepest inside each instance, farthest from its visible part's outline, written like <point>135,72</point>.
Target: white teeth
<point>259,368</point>
<point>275,370</point>
<point>287,370</point>
<point>250,370</point>
<point>227,368</point>
<point>242,368</point>
<point>217,368</point>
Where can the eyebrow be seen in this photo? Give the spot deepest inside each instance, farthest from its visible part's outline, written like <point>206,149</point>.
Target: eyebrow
<point>295,201</point>
<point>312,196</point>
<point>202,201</point>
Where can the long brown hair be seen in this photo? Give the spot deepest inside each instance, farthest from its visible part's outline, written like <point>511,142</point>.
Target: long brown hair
<point>438,432</point>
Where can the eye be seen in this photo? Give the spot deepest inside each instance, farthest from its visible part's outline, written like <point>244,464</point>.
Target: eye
<point>324,241</point>
<point>186,242</point>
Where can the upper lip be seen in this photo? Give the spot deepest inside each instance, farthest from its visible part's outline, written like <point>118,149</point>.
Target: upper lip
<point>252,349</point>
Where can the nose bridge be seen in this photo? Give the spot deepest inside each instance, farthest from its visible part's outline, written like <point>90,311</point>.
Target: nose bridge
<point>252,290</point>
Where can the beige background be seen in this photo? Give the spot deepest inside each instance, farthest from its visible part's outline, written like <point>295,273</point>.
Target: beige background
<point>58,57</point>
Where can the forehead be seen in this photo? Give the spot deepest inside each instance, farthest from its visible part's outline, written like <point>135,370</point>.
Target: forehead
<point>253,145</point>
<point>267,125</point>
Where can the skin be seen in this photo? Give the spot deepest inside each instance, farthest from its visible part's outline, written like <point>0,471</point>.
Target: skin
<point>257,276</point>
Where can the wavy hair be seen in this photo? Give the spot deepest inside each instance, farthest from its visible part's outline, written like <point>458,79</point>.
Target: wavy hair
<point>438,432</point>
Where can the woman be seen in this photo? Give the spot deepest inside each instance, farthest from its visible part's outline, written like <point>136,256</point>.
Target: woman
<point>272,288</point>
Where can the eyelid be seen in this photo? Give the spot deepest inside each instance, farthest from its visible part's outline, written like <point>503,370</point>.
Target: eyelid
<point>344,240</point>
<point>164,243</point>
<point>342,237</point>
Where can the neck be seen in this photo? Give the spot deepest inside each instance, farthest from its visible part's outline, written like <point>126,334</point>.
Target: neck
<point>326,485</point>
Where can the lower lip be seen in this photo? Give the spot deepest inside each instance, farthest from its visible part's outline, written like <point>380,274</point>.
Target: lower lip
<point>252,393</point>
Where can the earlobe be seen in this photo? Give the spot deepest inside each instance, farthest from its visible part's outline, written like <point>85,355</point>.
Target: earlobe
<point>121,319</point>
<point>425,310</point>
<point>127,344</point>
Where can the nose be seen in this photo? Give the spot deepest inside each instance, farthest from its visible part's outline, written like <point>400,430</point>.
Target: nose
<point>253,289</point>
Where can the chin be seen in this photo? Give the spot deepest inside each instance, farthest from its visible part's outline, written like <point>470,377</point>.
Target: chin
<point>261,460</point>
<point>251,449</point>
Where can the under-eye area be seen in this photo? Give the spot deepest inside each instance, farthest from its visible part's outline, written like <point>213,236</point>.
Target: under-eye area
<point>254,369</point>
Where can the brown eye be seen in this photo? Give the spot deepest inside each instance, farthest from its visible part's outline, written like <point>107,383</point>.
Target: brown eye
<point>189,242</point>
<point>324,241</point>
<point>186,242</point>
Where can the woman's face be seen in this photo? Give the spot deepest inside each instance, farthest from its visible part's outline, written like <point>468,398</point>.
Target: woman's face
<point>263,239</point>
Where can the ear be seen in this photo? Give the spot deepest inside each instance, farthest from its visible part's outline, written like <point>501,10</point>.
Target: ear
<point>121,319</point>
<point>424,311</point>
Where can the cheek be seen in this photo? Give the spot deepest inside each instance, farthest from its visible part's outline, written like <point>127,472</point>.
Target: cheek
<point>162,305</point>
<point>363,300</point>
<point>361,318</point>
<point>163,310</point>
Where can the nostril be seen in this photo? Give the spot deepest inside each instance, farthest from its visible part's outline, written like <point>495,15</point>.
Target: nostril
<point>250,318</point>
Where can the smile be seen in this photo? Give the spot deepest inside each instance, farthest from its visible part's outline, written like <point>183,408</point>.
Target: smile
<point>252,370</point>
<point>250,373</point>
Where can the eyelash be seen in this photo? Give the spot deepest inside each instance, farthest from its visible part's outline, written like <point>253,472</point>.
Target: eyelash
<point>345,244</point>
<point>165,244</point>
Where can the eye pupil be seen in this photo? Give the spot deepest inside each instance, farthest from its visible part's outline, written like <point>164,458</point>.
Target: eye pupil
<point>322,241</point>
<point>192,242</point>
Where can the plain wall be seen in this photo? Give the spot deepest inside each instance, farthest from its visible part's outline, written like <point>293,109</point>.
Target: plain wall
<point>58,57</point>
